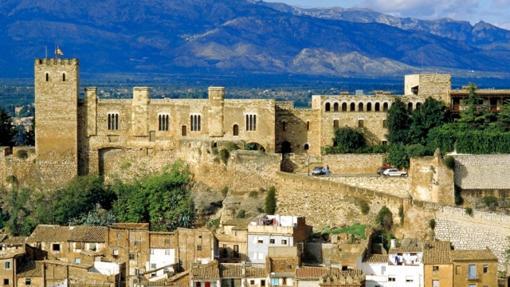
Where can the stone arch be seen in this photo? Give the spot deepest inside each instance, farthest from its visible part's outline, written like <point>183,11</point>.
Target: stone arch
<point>306,146</point>
<point>344,107</point>
<point>369,107</point>
<point>327,107</point>
<point>410,106</point>
<point>335,107</point>
<point>353,107</point>
<point>377,107</point>
<point>360,107</point>
<point>255,146</point>
<point>385,107</point>
<point>418,105</point>
<point>105,157</point>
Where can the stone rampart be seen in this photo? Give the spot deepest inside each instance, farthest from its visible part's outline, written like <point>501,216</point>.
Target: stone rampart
<point>481,230</point>
<point>326,202</point>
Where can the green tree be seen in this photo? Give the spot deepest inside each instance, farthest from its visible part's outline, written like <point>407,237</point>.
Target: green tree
<point>384,218</point>
<point>79,197</point>
<point>428,116</point>
<point>164,200</point>
<point>476,114</point>
<point>504,117</point>
<point>348,140</point>
<point>18,209</point>
<point>6,128</point>
<point>270,203</point>
<point>397,156</point>
<point>398,123</point>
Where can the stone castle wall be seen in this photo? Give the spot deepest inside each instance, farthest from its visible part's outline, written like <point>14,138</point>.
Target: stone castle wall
<point>482,230</point>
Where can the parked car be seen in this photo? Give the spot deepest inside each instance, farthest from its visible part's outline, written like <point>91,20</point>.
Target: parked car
<point>320,170</point>
<point>383,168</point>
<point>394,172</point>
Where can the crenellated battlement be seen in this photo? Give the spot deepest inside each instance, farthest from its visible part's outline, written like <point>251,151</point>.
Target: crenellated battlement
<point>56,61</point>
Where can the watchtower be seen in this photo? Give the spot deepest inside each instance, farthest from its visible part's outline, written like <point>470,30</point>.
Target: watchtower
<point>437,86</point>
<point>216,114</point>
<point>56,116</point>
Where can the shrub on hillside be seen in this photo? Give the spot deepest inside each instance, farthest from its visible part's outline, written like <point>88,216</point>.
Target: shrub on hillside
<point>270,202</point>
<point>384,218</point>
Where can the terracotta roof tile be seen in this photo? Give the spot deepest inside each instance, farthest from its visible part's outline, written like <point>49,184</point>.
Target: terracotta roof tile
<point>377,258</point>
<point>473,255</point>
<point>205,271</point>
<point>256,272</point>
<point>55,233</point>
<point>437,252</point>
<point>30,269</point>
<point>231,270</point>
<point>311,273</point>
<point>15,240</point>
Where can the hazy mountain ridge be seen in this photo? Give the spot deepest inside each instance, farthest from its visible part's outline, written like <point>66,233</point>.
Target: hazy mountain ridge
<point>240,36</point>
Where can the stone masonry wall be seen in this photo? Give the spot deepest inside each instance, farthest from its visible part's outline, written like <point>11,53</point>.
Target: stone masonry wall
<point>479,231</point>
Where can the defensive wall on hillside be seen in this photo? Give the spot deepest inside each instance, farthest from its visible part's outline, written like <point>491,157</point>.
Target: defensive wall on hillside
<point>481,230</point>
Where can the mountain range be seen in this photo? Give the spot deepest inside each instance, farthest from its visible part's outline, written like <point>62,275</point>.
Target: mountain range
<point>242,37</point>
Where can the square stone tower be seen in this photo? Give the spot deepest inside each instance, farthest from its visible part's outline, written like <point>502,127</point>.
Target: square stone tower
<point>437,86</point>
<point>56,116</point>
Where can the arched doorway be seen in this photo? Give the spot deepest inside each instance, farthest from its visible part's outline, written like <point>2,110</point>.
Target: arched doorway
<point>235,130</point>
<point>286,147</point>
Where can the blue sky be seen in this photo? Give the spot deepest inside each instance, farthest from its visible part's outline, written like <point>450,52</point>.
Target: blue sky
<point>494,11</point>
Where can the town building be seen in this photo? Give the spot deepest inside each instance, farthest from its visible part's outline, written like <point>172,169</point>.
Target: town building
<point>437,262</point>
<point>474,268</point>
<point>275,231</point>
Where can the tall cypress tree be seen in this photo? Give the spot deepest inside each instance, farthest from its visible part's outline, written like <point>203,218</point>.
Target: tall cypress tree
<point>399,122</point>
<point>6,128</point>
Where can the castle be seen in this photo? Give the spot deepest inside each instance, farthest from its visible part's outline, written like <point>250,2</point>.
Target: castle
<point>74,136</point>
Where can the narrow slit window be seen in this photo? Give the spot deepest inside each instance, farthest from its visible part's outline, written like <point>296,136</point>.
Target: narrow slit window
<point>163,122</point>
<point>113,121</point>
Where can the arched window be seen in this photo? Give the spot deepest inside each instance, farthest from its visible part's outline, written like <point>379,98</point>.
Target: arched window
<point>306,147</point>
<point>353,107</point>
<point>360,107</point>
<point>251,122</point>
<point>410,107</point>
<point>47,77</point>
<point>235,130</point>
<point>377,107</point>
<point>308,125</point>
<point>163,122</point>
<point>328,107</point>
<point>335,107</point>
<point>369,107</point>
<point>196,122</point>
<point>418,105</point>
<point>385,107</point>
<point>344,107</point>
<point>63,77</point>
<point>113,121</point>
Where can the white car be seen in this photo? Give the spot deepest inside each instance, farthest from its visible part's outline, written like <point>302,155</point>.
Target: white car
<point>394,172</point>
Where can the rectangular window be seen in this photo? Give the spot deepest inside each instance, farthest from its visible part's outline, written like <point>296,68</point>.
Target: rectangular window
<point>435,268</point>
<point>113,121</point>
<point>275,281</point>
<point>199,247</point>
<point>163,122</point>
<point>7,265</point>
<point>391,279</point>
<point>284,241</point>
<point>307,126</point>
<point>153,266</point>
<point>167,251</point>
<point>435,283</point>
<point>92,247</point>
<point>385,124</point>
<point>236,251</point>
<point>28,281</point>
<point>77,260</point>
<point>361,123</point>
<point>251,122</point>
<point>55,247</point>
<point>472,271</point>
<point>260,241</point>
<point>196,123</point>
<point>485,268</point>
<point>6,281</point>
<point>262,283</point>
<point>252,282</point>
<point>336,124</point>
<point>272,241</point>
<point>131,256</point>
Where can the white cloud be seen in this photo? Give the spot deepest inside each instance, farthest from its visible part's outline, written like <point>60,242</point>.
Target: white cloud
<point>428,9</point>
